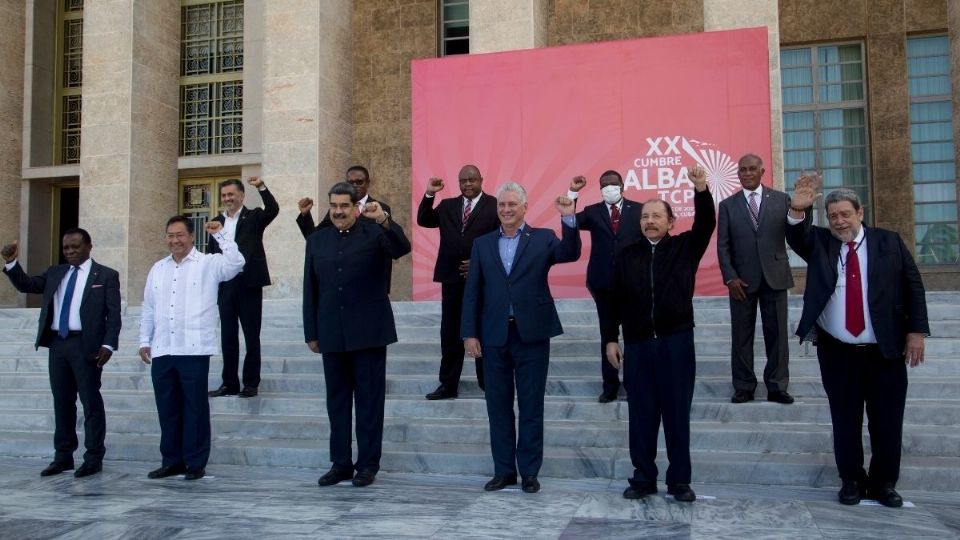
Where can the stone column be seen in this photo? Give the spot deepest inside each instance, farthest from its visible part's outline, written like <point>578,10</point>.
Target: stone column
<point>504,25</point>
<point>12,20</point>
<point>730,14</point>
<point>128,164</point>
<point>306,137</point>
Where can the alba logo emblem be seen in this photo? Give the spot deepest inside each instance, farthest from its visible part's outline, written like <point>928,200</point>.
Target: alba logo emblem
<point>664,168</point>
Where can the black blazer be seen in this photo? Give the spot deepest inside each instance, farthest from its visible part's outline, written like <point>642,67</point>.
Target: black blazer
<point>99,305</point>
<point>345,302</point>
<point>305,221</point>
<point>456,238</point>
<point>896,298</point>
<point>604,245</point>
<point>750,254</point>
<point>249,238</point>
<point>490,291</point>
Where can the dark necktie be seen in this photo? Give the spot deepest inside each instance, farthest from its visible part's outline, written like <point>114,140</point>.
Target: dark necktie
<point>467,209</point>
<point>855,324</point>
<point>614,218</point>
<point>65,304</point>
<point>754,210</point>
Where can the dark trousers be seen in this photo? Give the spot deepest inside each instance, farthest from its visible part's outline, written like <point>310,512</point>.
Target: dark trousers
<point>854,376</point>
<point>451,344</point>
<point>659,375</point>
<point>244,304</point>
<point>180,388</point>
<point>73,374</point>
<point>356,377</point>
<point>743,321</point>
<point>611,376</point>
<point>525,363</point>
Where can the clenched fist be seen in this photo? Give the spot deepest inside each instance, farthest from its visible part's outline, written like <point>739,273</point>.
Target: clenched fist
<point>434,185</point>
<point>578,183</point>
<point>10,251</point>
<point>213,227</point>
<point>305,205</point>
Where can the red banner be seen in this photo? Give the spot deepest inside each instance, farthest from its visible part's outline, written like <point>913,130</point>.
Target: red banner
<point>650,109</point>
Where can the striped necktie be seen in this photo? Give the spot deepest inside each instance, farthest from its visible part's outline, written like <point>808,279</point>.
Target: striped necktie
<point>754,210</point>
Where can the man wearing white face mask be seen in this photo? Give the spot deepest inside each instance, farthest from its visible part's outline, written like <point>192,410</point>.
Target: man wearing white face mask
<point>613,223</point>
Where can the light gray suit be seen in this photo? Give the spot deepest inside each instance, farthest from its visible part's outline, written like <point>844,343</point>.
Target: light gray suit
<point>758,257</point>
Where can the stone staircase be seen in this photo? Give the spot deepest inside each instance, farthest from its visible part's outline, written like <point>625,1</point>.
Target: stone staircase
<point>754,443</point>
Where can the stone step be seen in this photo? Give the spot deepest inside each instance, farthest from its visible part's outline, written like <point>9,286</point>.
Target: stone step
<point>585,410</point>
<point>808,469</point>
<point>419,385</point>
<point>746,437</point>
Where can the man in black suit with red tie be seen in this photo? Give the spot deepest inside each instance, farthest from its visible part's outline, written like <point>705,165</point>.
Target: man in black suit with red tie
<point>241,298</point>
<point>865,309</point>
<point>460,220</point>
<point>613,223</point>
<point>80,324</point>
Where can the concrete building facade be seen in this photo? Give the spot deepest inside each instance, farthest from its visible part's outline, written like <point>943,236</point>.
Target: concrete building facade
<point>121,113</point>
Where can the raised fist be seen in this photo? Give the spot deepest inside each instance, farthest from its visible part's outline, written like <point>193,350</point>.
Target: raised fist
<point>10,251</point>
<point>434,185</point>
<point>305,205</point>
<point>699,177</point>
<point>565,206</point>
<point>255,181</point>
<point>213,227</point>
<point>373,211</point>
<point>578,183</point>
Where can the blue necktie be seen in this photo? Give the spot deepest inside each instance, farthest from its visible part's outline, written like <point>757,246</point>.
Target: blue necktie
<point>65,305</point>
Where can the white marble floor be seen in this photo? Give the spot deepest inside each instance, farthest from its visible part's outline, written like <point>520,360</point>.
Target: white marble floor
<point>259,502</point>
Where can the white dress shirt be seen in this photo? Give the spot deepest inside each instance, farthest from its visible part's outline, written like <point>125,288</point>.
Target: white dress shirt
<point>179,313</point>
<point>230,225</point>
<point>759,192</point>
<point>834,316</point>
<point>75,325</point>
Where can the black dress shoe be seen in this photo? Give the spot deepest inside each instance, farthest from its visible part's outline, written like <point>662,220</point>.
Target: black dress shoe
<point>195,474</point>
<point>682,492</point>
<point>335,476</point>
<point>640,491</point>
<point>164,472</point>
<point>530,484</point>
<point>57,467</point>
<point>780,397</point>
<point>442,392</point>
<point>222,391</point>
<point>499,482</point>
<point>88,468</point>
<point>364,478</point>
<point>741,396</point>
<point>887,496</point>
<point>607,396</point>
<point>850,493</point>
<point>248,391</point>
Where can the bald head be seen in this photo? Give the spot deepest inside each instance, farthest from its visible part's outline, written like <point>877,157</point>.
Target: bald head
<point>471,183</point>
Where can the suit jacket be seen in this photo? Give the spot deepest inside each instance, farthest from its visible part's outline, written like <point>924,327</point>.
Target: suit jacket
<point>456,237</point>
<point>750,254</point>
<point>345,302</point>
<point>305,221</point>
<point>604,244</point>
<point>490,291</point>
<point>99,305</point>
<point>896,298</point>
<point>249,238</point>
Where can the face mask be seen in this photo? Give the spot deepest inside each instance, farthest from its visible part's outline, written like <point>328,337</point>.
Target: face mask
<point>611,194</point>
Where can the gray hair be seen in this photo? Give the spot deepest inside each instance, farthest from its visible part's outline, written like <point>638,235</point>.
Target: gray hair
<point>752,156</point>
<point>514,187</point>
<point>344,188</point>
<point>840,195</point>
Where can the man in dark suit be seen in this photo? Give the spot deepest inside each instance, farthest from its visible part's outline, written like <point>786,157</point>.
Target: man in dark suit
<point>613,223</point>
<point>508,309</point>
<point>359,178</point>
<point>460,220</point>
<point>864,307</point>
<point>80,324</point>
<point>241,298</point>
<point>755,267</point>
<point>348,319</point>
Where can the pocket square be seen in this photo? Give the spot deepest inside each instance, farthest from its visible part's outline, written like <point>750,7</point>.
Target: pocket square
<point>96,286</point>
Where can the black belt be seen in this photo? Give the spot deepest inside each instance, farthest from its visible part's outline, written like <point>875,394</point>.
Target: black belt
<point>511,320</point>
<point>72,333</point>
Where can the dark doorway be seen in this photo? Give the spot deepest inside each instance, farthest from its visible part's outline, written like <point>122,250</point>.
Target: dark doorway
<point>68,215</point>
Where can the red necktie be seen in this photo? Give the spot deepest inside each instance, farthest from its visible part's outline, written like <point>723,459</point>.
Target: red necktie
<point>466,211</point>
<point>614,218</point>
<point>855,324</point>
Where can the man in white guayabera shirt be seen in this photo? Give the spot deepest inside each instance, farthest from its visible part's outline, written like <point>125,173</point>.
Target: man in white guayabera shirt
<point>178,325</point>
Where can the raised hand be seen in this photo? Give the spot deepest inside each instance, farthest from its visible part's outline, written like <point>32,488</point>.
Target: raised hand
<point>255,181</point>
<point>213,227</point>
<point>577,183</point>
<point>699,177</point>
<point>806,190</point>
<point>10,251</point>
<point>434,185</point>
<point>305,205</point>
<point>565,206</point>
<point>373,211</point>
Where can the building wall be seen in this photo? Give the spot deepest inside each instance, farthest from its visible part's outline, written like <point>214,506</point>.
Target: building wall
<point>12,20</point>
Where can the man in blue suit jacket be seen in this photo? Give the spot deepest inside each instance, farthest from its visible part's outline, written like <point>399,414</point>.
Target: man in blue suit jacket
<point>348,319</point>
<point>80,324</point>
<point>507,307</point>
<point>613,223</point>
<point>864,307</point>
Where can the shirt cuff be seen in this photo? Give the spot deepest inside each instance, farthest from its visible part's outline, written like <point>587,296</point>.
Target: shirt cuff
<point>105,346</point>
<point>573,195</point>
<point>10,265</point>
<point>795,221</point>
<point>429,195</point>
<point>569,221</point>
<point>219,236</point>
<point>262,187</point>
